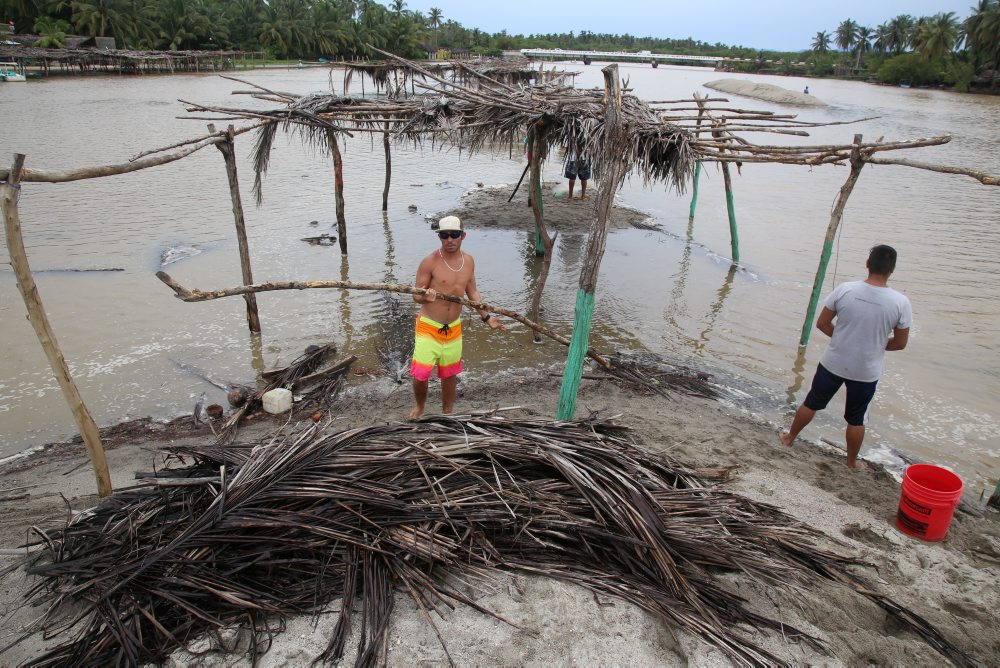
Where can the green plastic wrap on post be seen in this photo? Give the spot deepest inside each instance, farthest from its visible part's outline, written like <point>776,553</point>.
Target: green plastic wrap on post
<point>577,351</point>
<point>734,236</point>
<point>824,260</point>
<point>694,191</point>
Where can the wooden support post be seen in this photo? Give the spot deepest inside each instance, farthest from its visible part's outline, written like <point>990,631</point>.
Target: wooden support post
<point>9,191</point>
<point>338,179</point>
<point>697,167</point>
<point>734,237</point>
<point>388,168</point>
<point>609,183</point>
<point>228,150</point>
<point>536,147</point>
<point>857,162</point>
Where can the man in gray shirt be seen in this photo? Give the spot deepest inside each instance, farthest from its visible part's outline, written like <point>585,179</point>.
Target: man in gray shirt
<point>871,318</point>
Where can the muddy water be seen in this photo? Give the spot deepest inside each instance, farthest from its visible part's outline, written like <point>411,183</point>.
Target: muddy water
<point>132,346</point>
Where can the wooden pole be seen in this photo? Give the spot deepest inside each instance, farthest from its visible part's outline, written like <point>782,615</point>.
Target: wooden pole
<point>338,179</point>
<point>697,167</point>
<point>857,162</point>
<point>535,148</point>
<point>9,191</point>
<point>734,237</point>
<point>584,311</point>
<point>189,295</point>
<point>388,168</point>
<point>228,150</point>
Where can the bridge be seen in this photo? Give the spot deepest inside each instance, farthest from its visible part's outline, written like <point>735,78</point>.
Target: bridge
<point>643,56</point>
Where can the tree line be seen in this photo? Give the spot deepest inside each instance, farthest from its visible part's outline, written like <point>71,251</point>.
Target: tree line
<point>927,50</point>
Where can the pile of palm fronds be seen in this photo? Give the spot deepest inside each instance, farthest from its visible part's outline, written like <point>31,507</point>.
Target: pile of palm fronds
<point>249,533</point>
<point>650,372</point>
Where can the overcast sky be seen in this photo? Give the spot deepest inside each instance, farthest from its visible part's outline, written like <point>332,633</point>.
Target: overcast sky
<point>786,25</point>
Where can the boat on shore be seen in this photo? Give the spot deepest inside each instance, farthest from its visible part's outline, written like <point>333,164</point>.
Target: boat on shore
<point>10,72</point>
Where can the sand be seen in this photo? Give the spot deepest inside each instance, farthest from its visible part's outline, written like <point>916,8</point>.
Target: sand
<point>766,92</point>
<point>955,583</point>
<point>486,207</point>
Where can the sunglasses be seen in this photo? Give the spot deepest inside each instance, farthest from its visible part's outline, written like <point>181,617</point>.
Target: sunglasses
<point>449,234</point>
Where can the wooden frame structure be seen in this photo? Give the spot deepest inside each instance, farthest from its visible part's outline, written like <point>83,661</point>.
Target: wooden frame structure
<point>662,141</point>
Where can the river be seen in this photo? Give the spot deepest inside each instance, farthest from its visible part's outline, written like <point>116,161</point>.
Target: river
<point>130,344</point>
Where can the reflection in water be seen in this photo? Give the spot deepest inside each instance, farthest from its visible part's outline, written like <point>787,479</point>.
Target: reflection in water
<point>675,308</point>
<point>256,353</point>
<point>797,369</point>
<point>345,305</point>
<point>390,251</point>
<point>713,312</point>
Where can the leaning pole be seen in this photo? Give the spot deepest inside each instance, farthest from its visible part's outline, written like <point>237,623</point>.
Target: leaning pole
<point>857,162</point>
<point>596,243</point>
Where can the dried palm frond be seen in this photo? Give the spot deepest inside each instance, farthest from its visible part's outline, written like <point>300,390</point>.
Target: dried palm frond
<point>649,371</point>
<point>251,533</point>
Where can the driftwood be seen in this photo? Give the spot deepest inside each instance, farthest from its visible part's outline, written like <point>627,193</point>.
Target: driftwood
<point>189,295</point>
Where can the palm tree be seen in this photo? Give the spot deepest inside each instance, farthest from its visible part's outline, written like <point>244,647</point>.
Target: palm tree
<point>100,18</point>
<point>821,42</point>
<point>883,38</point>
<point>938,36</point>
<point>900,32</point>
<point>181,24</point>
<point>847,34</point>
<point>329,30</point>
<point>52,32</point>
<point>861,44</point>
<point>397,7</point>
<point>982,34</point>
<point>434,21</point>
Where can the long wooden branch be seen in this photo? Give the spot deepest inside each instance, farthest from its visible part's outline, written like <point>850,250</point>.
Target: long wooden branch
<point>195,295</point>
<point>982,177</point>
<point>53,176</point>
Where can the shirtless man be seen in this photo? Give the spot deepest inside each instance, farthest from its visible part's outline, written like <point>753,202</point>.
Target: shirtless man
<point>871,318</point>
<point>438,338</point>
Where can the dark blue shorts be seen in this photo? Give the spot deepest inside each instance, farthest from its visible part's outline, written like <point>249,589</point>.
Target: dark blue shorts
<point>859,394</point>
<point>578,170</point>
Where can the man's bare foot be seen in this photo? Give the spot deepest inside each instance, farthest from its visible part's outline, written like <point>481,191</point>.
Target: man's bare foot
<point>415,413</point>
<point>786,438</point>
<point>859,465</point>
<point>582,197</point>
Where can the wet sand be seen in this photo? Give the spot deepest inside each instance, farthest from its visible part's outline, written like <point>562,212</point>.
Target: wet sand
<point>954,584</point>
<point>765,91</point>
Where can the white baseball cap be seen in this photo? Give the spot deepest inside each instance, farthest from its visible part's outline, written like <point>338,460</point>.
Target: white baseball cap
<point>450,223</point>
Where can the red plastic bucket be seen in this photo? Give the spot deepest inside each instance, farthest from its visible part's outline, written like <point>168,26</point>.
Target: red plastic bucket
<point>930,494</point>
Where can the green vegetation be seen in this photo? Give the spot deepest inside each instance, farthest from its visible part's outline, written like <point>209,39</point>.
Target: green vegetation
<point>937,50</point>
<point>945,50</point>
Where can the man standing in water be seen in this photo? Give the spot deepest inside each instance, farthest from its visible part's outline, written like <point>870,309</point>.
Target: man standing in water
<point>871,318</point>
<point>438,339</point>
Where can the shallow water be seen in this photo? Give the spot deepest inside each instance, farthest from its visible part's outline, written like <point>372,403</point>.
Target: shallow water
<point>131,344</point>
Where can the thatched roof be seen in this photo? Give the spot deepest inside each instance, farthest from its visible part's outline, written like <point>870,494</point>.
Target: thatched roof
<point>25,52</point>
<point>664,139</point>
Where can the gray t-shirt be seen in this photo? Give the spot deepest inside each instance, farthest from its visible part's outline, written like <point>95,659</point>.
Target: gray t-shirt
<point>866,316</point>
